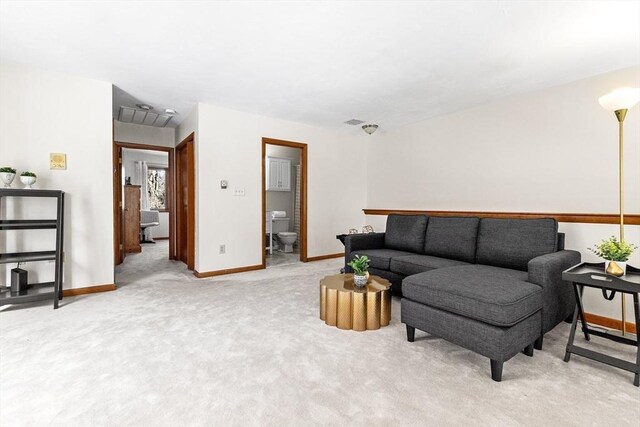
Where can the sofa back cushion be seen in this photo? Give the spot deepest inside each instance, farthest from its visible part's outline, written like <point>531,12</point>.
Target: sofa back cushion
<point>512,243</point>
<point>452,237</point>
<point>406,232</point>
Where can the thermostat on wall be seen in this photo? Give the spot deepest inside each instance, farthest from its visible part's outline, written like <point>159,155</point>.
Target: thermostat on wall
<point>57,161</point>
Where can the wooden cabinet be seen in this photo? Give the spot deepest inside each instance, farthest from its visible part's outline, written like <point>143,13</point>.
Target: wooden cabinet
<point>278,174</point>
<point>131,221</point>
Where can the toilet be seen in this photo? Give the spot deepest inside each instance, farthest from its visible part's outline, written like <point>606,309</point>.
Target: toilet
<point>279,226</point>
<point>287,238</point>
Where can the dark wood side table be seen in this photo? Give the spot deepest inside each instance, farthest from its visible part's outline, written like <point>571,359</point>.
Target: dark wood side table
<point>592,275</point>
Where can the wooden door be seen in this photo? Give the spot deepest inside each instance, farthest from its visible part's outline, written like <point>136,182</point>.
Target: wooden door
<point>185,203</point>
<point>183,206</point>
<point>118,227</point>
<point>132,218</point>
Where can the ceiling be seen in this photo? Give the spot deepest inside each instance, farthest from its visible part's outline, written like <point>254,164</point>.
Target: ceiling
<point>323,63</point>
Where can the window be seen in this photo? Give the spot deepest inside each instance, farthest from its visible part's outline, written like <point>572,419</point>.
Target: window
<point>156,178</point>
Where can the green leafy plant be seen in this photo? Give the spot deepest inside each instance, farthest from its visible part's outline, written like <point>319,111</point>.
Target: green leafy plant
<point>27,173</point>
<point>614,250</point>
<point>7,169</point>
<point>360,265</point>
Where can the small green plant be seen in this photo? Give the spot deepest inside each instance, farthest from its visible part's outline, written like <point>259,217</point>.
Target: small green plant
<point>614,250</point>
<point>360,265</point>
<point>27,173</point>
<point>7,169</point>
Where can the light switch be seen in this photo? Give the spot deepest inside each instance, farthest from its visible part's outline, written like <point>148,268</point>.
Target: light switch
<point>238,192</point>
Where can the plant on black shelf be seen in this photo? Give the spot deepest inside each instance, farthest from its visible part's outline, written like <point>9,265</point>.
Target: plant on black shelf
<point>7,169</point>
<point>27,173</point>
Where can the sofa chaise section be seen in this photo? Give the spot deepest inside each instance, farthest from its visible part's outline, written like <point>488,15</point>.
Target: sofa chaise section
<point>505,302</point>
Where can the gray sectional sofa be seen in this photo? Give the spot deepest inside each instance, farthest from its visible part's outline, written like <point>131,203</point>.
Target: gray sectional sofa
<point>493,286</point>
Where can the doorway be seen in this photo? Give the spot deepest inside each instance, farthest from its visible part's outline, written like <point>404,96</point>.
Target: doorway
<point>280,175</point>
<point>185,202</point>
<point>155,165</point>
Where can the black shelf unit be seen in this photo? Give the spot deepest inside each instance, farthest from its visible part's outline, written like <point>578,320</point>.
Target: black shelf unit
<point>35,291</point>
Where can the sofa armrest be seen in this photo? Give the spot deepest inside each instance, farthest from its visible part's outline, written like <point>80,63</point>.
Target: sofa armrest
<point>558,300</point>
<point>357,242</point>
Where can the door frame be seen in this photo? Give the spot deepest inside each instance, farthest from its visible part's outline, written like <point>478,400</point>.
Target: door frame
<point>118,246</point>
<point>187,144</point>
<point>303,195</point>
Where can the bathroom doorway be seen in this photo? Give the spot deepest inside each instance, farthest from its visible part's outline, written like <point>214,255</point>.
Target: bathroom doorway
<point>284,202</point>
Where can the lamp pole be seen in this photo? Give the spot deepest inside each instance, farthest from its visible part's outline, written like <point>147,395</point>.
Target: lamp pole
<point>620,115</point>
<point>619,101</point>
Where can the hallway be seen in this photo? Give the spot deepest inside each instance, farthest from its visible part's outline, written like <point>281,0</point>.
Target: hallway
<point>150,265</point>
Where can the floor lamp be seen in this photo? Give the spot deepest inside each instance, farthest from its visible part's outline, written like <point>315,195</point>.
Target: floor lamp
<point>619,101</point>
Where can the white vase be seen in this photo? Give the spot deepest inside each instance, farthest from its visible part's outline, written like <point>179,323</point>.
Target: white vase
<point>7,178</point>
<point>621,264</point>
<point>359,281</point>
<point>28,181</point>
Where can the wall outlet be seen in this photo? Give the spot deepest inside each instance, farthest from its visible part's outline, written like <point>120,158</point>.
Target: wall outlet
<point>223,249</point>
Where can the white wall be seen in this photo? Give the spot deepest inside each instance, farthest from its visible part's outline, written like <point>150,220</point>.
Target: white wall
<point>35,120</point>
<point>153,158</point>
<point>188,125</point>
<point>550,151</point>
<point>229,147</point>
<point>284,200</point>
<point>140,134</point>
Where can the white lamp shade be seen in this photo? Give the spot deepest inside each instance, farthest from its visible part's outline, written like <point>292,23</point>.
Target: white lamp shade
<point>620,99</point>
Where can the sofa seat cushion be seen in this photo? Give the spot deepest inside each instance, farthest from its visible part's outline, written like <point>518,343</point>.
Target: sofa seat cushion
<point>414,264</point>
<point>498,296</point>
<point>381,258</point>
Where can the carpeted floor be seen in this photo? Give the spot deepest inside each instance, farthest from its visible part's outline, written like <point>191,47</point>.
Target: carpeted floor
<point>167,349</point>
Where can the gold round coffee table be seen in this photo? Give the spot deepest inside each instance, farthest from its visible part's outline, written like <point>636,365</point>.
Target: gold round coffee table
<point>348,307</point>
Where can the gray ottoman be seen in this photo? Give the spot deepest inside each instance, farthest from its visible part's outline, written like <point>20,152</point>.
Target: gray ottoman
<point>490,310</point>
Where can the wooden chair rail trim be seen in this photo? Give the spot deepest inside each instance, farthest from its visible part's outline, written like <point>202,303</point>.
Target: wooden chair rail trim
<point>586,218</point>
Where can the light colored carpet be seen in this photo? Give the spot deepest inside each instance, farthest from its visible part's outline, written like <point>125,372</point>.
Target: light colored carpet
<point>167,349</point>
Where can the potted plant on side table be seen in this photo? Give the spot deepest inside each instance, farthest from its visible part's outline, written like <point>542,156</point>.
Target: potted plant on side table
<point>28,179</point>
<point>360,267</point>
<point>7,174</point>
<point>615,253</point>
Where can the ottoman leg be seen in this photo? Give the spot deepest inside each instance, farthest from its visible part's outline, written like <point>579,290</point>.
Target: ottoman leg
<point>496,370</point>
<point>411,333</point>
<point>528,350</point>
<point>538,343</point>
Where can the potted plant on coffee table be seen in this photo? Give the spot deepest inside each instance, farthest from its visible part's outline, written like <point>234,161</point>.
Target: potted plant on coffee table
<point>360,267</point>
<point>7,175</point>
<point>615,253</point>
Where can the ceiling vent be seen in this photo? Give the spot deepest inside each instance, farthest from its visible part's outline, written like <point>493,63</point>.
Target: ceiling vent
<point>142,117</point>
<point>353,122</point>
